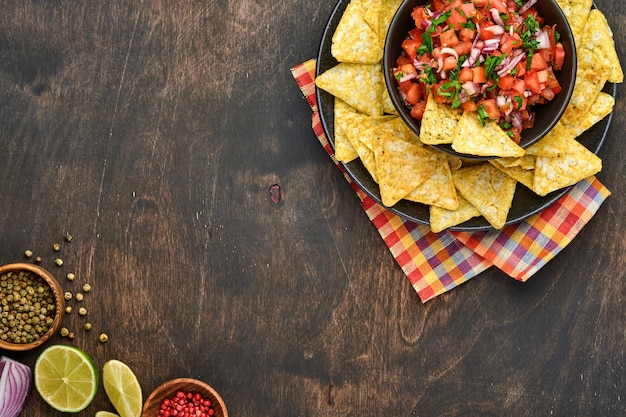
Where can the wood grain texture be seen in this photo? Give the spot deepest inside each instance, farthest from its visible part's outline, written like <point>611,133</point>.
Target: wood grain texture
<point>152,131</point>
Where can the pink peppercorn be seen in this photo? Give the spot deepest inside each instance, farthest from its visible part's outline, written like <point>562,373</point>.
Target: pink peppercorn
<point>186,404</point>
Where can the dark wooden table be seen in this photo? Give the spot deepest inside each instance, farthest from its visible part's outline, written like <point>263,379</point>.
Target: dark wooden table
<point>152,131</point>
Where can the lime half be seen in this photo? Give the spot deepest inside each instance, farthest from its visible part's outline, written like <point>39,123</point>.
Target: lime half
<point>66,378</point>
<point>122,388</point>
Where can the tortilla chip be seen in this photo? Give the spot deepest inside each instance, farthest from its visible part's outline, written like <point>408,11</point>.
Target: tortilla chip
<point>438,189</point>
<point>489,140</point>
<point>520,174</point>
<point>354,41</point>
<point>401,165</point>
<point>441,219</point>
<point>388,107</point>
<point>359,85</point>
<point>553,144</point>
<point>576,12</point>
<point>438,122</point>
<point>344,117</point>
<point>392,125</point>
<point>553,173</point>
<point>524,162</point>
<point>488,189</point>
<point>389,9</point>
<point>598,37</point>
<point>601,107</point>
<point>454,161</point>
<point>372,15</point>
<point>590,79</point>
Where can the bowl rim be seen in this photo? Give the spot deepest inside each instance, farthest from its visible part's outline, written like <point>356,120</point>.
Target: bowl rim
<point>59,303</point>
<point>172,384</point>
<point>563,98</point>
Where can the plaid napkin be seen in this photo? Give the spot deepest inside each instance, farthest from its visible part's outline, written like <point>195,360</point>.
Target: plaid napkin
<point>438,262</point>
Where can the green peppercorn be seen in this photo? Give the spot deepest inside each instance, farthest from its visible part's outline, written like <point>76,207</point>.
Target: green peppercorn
<point>79,297</point>
<point>86,288</point>
<point>64,331</point>
<point>67,295</point>
<point>82,311</point>
<point>58,261</point>
<point>87,326</point>
<point>103,337</point>
<point>68,309</point>
<point>71,276</point>
<point>56,247</point>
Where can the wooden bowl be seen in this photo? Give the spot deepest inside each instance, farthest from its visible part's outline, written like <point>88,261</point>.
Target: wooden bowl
<point>169,390</point>
<point>59,302</point>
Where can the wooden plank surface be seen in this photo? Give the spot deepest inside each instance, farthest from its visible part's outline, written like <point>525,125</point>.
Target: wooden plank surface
<point>152,131</point>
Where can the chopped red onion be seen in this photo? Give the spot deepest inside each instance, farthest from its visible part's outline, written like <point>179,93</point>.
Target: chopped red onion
<point>14,385</point>
<point>527,6</point>
<point>543,40</point>
<point>408,77</point>
<point>495,15</point>
<point>512,62</point>
<point>450,51</point>
<point>496,29</point>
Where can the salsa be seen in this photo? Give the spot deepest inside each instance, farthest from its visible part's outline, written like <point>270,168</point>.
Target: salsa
<point>493,57</point>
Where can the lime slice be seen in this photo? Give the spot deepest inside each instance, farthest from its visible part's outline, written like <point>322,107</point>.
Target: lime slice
<point>122,388</point>
<point>105,414</point>
<point>66,378</point>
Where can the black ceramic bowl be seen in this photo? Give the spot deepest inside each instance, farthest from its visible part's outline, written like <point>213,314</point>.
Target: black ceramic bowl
<point>547,115</point>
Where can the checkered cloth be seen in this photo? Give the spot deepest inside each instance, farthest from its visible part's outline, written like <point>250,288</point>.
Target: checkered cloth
<point>438,262</point>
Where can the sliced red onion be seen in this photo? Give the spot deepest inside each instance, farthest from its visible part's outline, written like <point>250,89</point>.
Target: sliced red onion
<point>14,385</point>
<point>471,60</point>
<point>470,88</point>
<point>407,77</point>
<point>511,64</point>
<point>543,40</point>
<point>527,6</point>
<point>495,15</point>
<point>496,29</point>
<point>450,51</point>
<point>516,120</point>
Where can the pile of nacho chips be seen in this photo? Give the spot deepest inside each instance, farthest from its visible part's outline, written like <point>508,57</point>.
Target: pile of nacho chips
<point>406,168</point>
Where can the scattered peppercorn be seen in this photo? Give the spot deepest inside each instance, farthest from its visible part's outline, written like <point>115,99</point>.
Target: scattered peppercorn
<point>71,336</point>
<point>58,261</point>
<point>103,337</point>
<point>68,237</point>
<point>38,259</point>
<point>56,247</point>
<point>87,326</point>
<point>71,276</point>
<point>28,253</point>
<point>64,331</point>
<point>79,297</point>
<point>67,295</point>
<point>86,288</point>
<point>82,311</point>
<point>68,309</point>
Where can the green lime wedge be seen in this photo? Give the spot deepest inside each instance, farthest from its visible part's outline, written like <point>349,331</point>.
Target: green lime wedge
<point>122,388</point>
<point>66,378</point>
<point>105,414</point>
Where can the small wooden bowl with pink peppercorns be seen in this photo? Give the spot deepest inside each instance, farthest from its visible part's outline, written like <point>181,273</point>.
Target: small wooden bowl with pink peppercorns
<point>187,392</point>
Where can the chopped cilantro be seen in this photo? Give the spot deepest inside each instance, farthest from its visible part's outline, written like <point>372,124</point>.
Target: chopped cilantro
<point>482,114</point>
<point>518,100</point>
<point>491,62</point>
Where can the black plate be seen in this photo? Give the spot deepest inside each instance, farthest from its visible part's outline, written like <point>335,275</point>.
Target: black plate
<point>525,203</point>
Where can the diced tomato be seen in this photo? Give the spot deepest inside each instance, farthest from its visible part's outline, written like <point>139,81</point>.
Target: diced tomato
<point>519,100</point>
<point>448,38</point>
<point>414,94</point>
<point>538,63</point>
<point>519,85</point>
<point>480,3</point>
<point>520,69</point>
<point>468,10</point>
<point>479,75</point>
<point>467,34</point>
<point>449,63</point>
<point>469,106</point>
<point>439,5</point>
<point>517,136</point>
<point>484,33</point>
<point>532,82</point>
<point>416,33</point>
<point>466,74</point>
<point>456,19</point>
<point>417,112</point>
<point>419,15</point>
<point>508,43</point>
<point>506,83</point>
<point>404,85</point>
<point>463,48</point>
<point>411,46</point>
<point>500,6</point>
<point>547,93</point>
<point>490,108</point>
<point>559,57</point>
<point>403,60</point>
<point>408,69</point>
